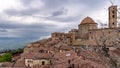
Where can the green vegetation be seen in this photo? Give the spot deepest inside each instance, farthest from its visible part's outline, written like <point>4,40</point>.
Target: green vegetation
<point>12,51</point>
<point>15,52</point>
<point>8,54</point>
<point>7,57</point>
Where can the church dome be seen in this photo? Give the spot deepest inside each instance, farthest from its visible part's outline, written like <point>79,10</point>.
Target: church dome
<point>88,20</point>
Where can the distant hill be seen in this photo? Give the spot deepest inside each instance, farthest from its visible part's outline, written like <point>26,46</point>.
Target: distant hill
<point>14,43</point>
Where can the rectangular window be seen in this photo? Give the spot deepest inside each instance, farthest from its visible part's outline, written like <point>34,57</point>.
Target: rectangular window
<point>43,62</point>
<point>30,61</point>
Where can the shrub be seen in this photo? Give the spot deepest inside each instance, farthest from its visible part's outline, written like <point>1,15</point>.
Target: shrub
<point>7,57</point>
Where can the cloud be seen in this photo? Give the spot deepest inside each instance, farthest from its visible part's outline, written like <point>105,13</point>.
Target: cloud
<point>29,30</point>
<point>25,12</point>
<point>3,30</point>
<point>61,11</point>
<point>39,18</point>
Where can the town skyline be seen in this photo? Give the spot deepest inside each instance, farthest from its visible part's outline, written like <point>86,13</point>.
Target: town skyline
<point>35,20</point>
<point>20,18</point>
<point>60,34</point>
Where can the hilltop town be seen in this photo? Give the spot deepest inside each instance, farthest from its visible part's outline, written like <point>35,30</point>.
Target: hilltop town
<point>85,47</point>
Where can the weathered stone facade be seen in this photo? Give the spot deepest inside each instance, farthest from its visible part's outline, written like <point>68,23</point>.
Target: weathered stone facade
<point>89,34</point>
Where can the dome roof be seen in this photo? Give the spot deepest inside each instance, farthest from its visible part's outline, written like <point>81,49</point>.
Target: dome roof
<point>88,20</point>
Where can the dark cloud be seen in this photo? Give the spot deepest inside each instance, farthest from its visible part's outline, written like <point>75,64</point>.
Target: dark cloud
<point>51,10</point>
<point>27,12</point>
<point>56,9</point>
<point>4,24</point>
<point>59,12</point>
<point>52,5</point>
<point>28,31</point>
<point>67,19</point>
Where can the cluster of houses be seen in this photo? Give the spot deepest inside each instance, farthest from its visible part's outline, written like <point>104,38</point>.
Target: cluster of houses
<point>79,48</point>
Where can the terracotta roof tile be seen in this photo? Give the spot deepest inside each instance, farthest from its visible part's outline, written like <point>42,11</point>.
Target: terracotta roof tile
<point>88,20</point>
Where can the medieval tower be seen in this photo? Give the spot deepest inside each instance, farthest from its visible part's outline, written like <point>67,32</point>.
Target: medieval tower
<point>112,16</point>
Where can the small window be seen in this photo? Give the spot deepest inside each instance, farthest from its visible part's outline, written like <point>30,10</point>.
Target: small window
<point>113,12</point>
<point>41,51</point>
<point>30,61</point>
<point>69,61</point>
<point>90,32</point>
<point>50,62</point>
<point>113,16</point>
<point>43,62</point>
<point>28,65</point>
<point>113,23</point>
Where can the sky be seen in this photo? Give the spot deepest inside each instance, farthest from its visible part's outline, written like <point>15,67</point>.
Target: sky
<point>39,18</point>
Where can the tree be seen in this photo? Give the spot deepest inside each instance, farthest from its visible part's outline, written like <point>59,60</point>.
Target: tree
<point>104,40</point>
<point>6,57</point>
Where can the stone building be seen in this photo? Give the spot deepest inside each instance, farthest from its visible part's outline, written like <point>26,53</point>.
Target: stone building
<point>57,36</point>
<point>61,36</point>
<point>63,59</point>
<point>84,27</point>
<point>112,16</point>
<point>90,35</point>
<point>37,59</point>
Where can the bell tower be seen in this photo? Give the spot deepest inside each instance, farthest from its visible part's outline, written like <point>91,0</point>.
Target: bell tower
<point>112,16</point>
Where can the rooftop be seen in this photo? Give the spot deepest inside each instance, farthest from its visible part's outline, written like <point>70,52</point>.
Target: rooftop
<point>88,20</point>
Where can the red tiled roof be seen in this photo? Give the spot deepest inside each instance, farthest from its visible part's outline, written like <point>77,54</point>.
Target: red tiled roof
<point>88,20</point>
<point>34,55</point>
